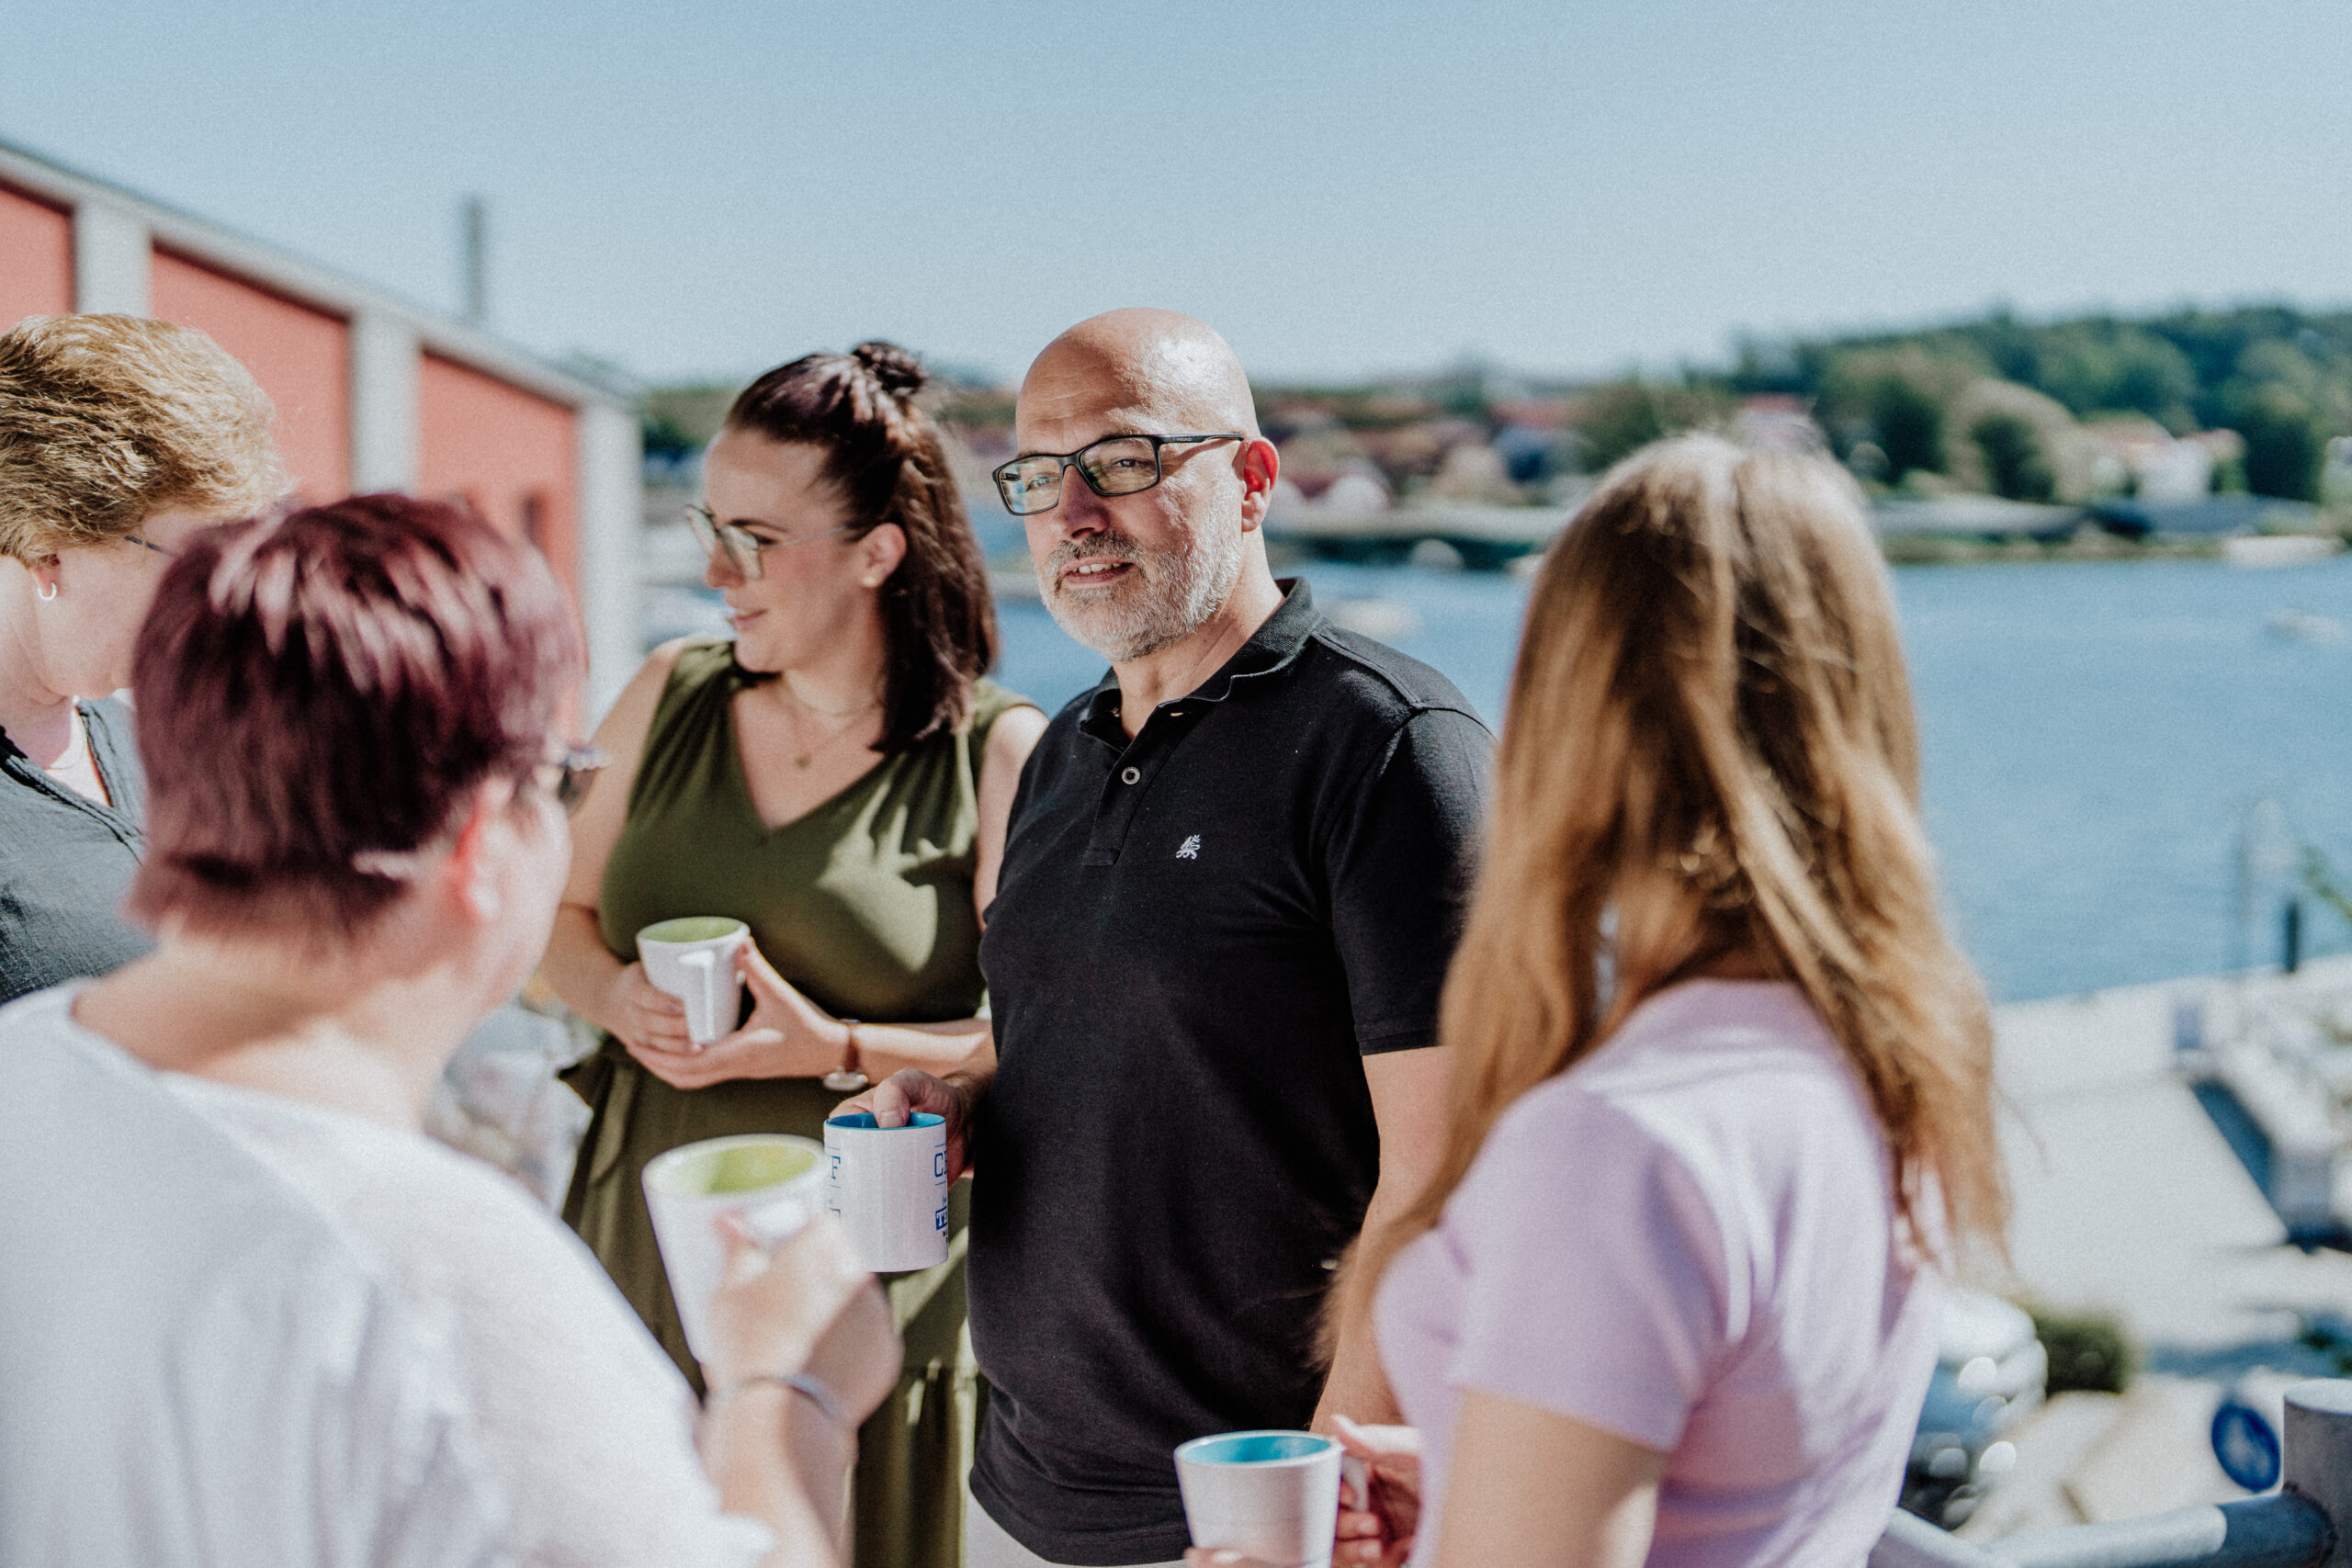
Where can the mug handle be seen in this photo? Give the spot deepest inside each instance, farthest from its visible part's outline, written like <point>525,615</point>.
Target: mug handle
<point>702,1003</point>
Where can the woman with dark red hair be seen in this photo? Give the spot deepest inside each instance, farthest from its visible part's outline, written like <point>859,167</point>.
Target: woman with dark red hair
<point>251,1314</point>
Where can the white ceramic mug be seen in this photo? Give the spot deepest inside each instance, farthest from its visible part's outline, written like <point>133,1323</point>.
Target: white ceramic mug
<point>692,959</point>
<point>774,1182</point>
<point>889,1185</point>
<point>1275,1495</point>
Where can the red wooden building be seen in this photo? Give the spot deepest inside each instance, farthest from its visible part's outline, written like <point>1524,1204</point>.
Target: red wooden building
<point>372,393</point>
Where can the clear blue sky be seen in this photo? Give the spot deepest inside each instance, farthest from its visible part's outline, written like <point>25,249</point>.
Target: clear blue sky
<point>704,188</point>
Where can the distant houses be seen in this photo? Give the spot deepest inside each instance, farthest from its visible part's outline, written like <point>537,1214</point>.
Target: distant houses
<point>2085,436</point>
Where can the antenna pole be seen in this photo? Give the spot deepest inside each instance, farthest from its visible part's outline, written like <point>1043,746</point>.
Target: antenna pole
<point>474,224</point>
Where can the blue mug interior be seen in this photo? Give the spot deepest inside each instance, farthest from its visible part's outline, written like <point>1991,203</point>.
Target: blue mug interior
<point>1256,1448</point>
<point>863,1120</point>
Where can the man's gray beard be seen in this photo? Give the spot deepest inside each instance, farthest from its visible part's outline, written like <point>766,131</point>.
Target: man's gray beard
<point>1181,588</point>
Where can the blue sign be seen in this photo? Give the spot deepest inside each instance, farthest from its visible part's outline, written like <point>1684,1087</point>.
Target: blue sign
<point>2247,1446</point>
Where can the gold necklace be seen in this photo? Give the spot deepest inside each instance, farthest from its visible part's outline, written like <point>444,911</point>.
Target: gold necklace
<point>797,706</point>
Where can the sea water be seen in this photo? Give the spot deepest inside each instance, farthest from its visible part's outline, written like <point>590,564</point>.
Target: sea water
<point>2095,736</point>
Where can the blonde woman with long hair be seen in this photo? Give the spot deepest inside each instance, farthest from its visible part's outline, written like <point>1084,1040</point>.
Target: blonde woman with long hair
<point>1721,1105</point>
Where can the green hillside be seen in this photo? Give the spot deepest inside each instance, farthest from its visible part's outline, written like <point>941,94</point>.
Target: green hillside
<point>2280,377</point>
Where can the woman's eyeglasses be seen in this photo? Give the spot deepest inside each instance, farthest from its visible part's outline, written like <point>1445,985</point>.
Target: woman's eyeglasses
<point>572,772</point>
<point>564,773</point>
<point>738,545</point>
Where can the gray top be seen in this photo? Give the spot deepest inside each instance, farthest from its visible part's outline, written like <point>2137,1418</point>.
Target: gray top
<point>66,861</point>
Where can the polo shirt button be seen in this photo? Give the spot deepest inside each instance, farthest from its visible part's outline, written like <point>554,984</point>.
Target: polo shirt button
<point>1130,775</point>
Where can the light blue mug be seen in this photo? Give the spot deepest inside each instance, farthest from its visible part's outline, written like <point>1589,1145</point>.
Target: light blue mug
<point>1274,1495</point>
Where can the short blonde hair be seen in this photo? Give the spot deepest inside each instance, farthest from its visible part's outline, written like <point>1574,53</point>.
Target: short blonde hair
<point>107,420</point>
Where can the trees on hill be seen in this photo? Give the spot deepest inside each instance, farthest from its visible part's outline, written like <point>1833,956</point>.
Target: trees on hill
<point>1894,404</point>
<point>2015,465</point>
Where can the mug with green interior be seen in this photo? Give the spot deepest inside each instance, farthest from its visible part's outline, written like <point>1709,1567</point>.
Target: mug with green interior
<point>772,1181</point>
<point>692,958</point>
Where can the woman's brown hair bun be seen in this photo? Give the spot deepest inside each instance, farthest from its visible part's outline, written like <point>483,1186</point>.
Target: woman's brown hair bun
<point>900,375</point>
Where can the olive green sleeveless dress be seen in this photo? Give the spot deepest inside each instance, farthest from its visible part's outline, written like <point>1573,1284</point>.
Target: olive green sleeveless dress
<point>865,904</point>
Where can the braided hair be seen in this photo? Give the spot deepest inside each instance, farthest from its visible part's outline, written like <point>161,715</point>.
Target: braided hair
<point>883,450</point>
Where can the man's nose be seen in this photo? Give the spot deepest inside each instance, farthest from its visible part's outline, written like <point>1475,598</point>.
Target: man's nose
<point>1082,511</point>
<point>1077,514</point>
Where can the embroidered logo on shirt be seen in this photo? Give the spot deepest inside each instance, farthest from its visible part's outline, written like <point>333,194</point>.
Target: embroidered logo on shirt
<point>1190,849</point>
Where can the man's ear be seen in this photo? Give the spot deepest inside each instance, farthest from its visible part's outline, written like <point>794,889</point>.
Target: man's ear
<point>470,874</point>
<point>882,550</point>
<point>1261,465</point>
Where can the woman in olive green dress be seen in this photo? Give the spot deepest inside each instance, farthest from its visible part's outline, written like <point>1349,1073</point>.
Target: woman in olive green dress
<point>837,776</point>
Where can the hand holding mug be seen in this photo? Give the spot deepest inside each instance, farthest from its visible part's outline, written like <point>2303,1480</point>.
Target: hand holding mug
<point>1379,1508</point>
<point>786,1035</point>
<point>1380,1513</point>
<point>808,1307</point>
<point>904,1093</point>
<point>642,1017</point>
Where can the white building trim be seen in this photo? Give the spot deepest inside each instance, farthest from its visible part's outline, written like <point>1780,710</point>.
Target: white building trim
<point>383,402</point>
<point>110,265</point>
<point>609,503</point>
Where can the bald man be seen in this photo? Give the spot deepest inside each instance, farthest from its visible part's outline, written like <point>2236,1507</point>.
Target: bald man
<point>1234,877</point>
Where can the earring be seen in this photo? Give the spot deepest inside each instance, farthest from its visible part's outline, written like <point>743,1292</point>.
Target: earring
<point>47,592</point>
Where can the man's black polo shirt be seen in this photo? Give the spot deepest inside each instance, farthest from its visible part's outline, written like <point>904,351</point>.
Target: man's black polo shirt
<point>1197,934</point>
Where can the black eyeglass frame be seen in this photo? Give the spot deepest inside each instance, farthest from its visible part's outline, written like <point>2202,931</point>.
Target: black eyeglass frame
<point>742,546</point>
<point>1005,480</point>
<point>146,543</point>
<point>577,767</point>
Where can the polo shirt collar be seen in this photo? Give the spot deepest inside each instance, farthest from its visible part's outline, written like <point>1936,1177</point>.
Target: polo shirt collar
<point>1272,647</point>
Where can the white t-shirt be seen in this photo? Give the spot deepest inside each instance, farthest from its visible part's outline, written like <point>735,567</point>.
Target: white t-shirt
<point>1688,1239</point>
<point>239,1329</point>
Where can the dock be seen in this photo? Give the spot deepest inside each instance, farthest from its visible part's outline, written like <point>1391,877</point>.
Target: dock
<point>1482,537</point>
<point>2132,1201</point>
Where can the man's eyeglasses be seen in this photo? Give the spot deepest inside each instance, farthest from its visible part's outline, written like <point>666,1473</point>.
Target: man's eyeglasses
<point>1116,465</point>
<point>572,770</point>
<point>740,546</point>
<point>151,545</point>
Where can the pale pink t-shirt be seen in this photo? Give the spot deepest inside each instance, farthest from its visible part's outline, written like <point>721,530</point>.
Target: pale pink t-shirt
<point>1689,1240</point>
